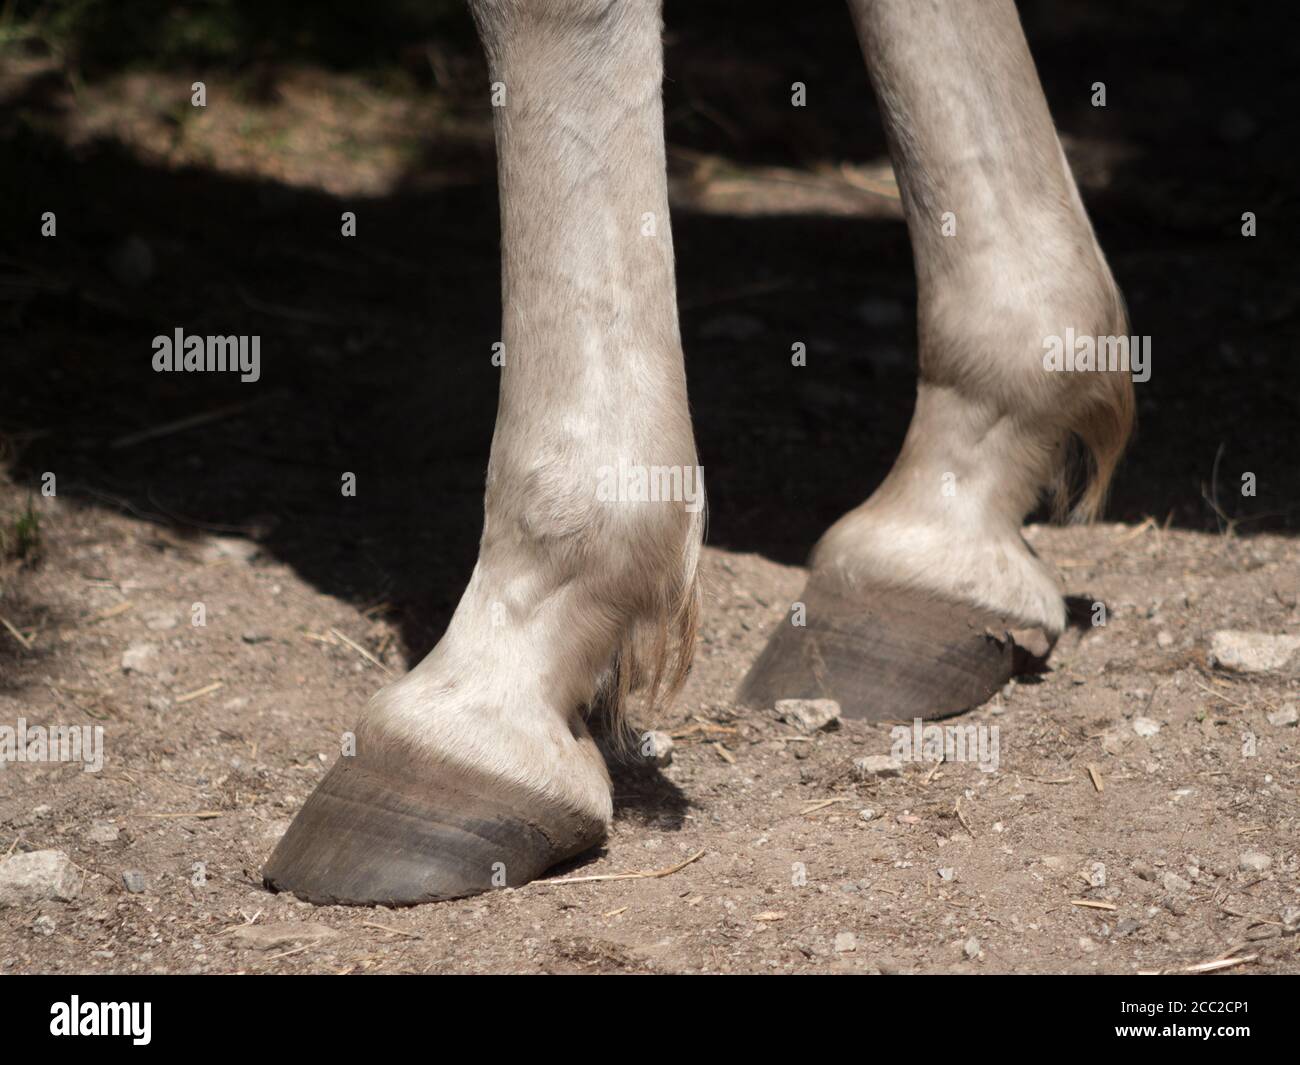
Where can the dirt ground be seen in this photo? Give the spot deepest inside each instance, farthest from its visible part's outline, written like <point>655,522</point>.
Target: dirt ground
<point>1135,751</point>
<point>954,861</point>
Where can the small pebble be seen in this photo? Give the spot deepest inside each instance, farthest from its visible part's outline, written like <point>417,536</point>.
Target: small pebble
<point>1254,862</point>
<point>133,881</point>
<point>877,765</point>
<point>102,832</point>
<point>37,875</point>
<point>809,715</point>
<point>1144,871</point>
<point>140,658</point>
<point>1287,715</point>
<point>1254,652</point>
<point>215,548</point>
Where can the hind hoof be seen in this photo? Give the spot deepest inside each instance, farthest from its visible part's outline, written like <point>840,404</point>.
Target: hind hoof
<point>892,654</point>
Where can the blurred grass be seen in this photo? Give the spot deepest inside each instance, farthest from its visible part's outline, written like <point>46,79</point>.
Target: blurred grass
<point>101,36</point>
<point>20,536</point>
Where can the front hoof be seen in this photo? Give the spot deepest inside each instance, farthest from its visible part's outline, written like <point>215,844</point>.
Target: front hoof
<point>395,832</point>
<point>892,654</point>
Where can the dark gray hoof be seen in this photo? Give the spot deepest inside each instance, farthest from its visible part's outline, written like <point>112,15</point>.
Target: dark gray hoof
<point>889,654</point>
<point>395,833</point>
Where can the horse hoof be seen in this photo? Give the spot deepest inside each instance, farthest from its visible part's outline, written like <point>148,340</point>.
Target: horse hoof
<point>892,654</point>
<point>394,832</point>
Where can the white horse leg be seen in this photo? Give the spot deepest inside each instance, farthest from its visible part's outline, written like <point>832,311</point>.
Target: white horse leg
<point>924,599</point>
<point>477,768</point>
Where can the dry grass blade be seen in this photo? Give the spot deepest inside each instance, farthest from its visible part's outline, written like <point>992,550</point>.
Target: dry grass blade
<point>289,953</point>
<point>360,650</point>
<point>198,815</point>
<point>23,640</point>
<point>1213,965</point>
<point>962,818</point>
<point>1133,534</point>
<point>198,693</point>
<point>881,185</point>
<point>393,931</point>
<point>235,927</point>
<point>649,874</point>
<point>1219,963</point>
<point>112,612</point>
<point>700,726</point>
<point>821,804</point>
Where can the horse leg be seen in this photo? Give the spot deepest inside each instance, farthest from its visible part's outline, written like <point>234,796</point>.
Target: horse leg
<point>924,600</point>
<point>477,768</point>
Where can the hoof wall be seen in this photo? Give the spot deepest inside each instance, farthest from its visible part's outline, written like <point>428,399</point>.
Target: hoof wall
<point>890,654</point>
<point>395,836</point>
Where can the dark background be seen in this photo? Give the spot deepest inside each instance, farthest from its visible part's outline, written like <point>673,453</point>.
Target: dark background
<point>375,351</point>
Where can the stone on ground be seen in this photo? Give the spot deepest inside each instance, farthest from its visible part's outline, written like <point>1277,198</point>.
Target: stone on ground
<point>36,876</point>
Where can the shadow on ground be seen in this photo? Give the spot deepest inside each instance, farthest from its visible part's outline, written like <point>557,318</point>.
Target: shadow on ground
<point>376,351</point>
